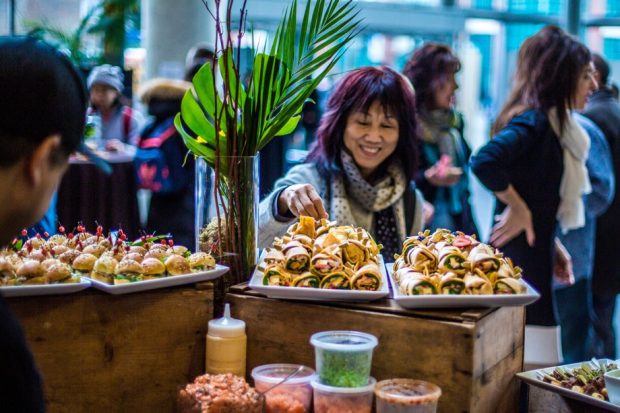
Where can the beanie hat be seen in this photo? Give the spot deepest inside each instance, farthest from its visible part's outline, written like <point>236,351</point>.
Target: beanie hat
<point>107,75</point>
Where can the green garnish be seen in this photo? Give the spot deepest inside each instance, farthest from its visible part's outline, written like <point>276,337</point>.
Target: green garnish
<point>345,369</point>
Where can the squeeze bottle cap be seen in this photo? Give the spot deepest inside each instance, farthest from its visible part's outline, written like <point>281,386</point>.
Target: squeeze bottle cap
<point>226,326</point>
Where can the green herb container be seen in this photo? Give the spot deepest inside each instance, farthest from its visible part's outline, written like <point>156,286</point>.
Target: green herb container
<point>343,358</point>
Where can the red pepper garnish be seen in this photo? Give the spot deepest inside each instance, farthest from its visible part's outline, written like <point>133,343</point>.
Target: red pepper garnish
<point>24,232</point>
<point>61,229</point>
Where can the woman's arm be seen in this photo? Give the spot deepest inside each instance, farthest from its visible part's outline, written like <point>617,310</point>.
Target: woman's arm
<point>515,219</point>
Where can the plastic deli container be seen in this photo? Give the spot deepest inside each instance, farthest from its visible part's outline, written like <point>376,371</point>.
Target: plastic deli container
<point>406,396</point>
<point>294,395</point>
<point>330,399</point>
<point>343,358</point>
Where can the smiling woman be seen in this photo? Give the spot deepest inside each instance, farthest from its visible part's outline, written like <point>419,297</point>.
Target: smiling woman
<point>361,169</point>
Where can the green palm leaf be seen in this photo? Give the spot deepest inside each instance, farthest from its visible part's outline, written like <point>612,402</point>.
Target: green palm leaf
<point>283,78</point>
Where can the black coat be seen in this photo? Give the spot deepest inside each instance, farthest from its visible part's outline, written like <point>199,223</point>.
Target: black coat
<point>604,110</point>
<point>528,155</point>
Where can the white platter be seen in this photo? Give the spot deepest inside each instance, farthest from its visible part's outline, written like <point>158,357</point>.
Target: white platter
<point>318,294</point>
<point>532,378</point>
<point>460,301</point>
<point>44,289</point>
<point>163,282</point>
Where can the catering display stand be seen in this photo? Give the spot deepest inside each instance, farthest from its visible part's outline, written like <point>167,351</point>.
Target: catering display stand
<point>117,353</point>
<point>540,400</point>
<point>472,355</point>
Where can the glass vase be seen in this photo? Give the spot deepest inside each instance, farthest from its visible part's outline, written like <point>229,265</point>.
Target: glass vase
<point>227,200</point>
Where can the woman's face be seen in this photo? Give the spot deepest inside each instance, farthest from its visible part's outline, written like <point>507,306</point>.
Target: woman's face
<point>585,86</point>
<point>444,93</point>
<point>371,137</point>
<point>102,96</point>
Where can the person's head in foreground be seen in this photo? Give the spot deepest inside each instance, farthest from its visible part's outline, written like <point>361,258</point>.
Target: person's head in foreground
<point>43,109</point>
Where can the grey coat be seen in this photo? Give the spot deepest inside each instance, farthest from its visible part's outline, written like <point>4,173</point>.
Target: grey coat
<point>271,225</point>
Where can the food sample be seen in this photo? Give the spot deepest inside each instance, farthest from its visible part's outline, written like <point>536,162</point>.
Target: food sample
<point>328,399</point>
<point>320,254</point>
<point>446,262</point>
<point>64,258</point>
<point>406,396</point>
<point>292,396</point>
<point>587,379</point>
<point>220,393</point>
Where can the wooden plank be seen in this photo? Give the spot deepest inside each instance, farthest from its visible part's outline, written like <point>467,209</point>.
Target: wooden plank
<point>103,353</point>
<point>497,390</point>
<point>388,305</point>
<point>434,350</point>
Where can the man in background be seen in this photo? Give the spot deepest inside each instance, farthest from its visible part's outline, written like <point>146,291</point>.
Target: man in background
<point>603,109</point>
<point>42,117</point>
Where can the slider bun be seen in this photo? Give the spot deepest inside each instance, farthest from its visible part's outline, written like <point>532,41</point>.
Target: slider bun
<point>139,250</point>
<point>59,249</point>
<point>105,265</point>
<point>57,240</point>
<point>134,256</point>
<point>84,262</point>
<point>58,272</point>
<point>178,249</point>
<point>30,269</point>
<point>177,265</point>
<point>152,266</point>
<point>128,267</point>
<point>69,256</point>
<point>105,243</point>
<point>201,259</point>
<point>94,249</point>
<point>6,268</point>
<point>38,255</point>
<point>157,254</point>
<point>158,247</point>
<point>46,264</point>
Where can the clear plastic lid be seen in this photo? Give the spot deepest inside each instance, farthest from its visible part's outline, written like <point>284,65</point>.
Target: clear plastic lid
<point>342,340</point>
<point>408,391</point>
<point>226,326</point>
<point>275,373</point>
<point>344,390</point>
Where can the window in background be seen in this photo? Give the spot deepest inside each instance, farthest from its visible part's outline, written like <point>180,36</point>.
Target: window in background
<point>4,17</point>
<point>516,33</point>
<point>430,3</point>
<point>602,8</point>
<point>544,7</point>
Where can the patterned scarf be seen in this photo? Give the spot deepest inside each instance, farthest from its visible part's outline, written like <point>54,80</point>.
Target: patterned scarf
<point>378,199</point>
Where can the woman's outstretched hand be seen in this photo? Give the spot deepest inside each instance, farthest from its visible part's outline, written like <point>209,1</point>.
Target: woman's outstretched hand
<point>301,199</point>
<point>515,219</point>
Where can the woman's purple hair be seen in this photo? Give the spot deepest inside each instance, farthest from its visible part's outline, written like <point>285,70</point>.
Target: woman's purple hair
<point>427,69</point>
<point>356,92</point>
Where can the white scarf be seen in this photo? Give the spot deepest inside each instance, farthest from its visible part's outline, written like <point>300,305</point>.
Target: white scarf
<point>575,180</point>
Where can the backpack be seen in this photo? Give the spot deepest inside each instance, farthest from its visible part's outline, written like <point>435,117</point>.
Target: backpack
<point>159,159</point>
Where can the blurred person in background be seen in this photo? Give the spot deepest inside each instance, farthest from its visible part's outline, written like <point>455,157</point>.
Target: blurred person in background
<point>196,57</point>
<point>444,153</point>
<point>34,157</point>
<point>360,170</point>
<point>536,167</point>
<point>574,302</point>
<point>118,123</point>
<point>161,162</point>
<point>603,109</point>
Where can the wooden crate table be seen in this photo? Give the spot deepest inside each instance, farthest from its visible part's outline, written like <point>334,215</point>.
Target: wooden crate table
<point>472,355</point>
<point>117,353</point>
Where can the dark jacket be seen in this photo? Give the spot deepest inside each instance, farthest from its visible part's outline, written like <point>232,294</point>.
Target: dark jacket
<point>528,155</point>
<point>604,111</point>
<point>21,389</point>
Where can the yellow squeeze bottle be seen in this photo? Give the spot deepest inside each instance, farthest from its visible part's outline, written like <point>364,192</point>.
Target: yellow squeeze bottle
<point>226,345</point>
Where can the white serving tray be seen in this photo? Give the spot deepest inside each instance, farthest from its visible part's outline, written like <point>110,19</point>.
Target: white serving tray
<point>43,289</point>
<point>531,377</point>
<point>318,294</point>
<point>460,301</point>
<point>163,282</point>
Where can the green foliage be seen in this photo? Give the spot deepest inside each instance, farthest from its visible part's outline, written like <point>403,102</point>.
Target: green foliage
<point>238,120</point>
<point>69,42</point>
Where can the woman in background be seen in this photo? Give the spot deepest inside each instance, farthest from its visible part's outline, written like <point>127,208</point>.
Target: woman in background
<point>535,165</point>
<point>444,154</point>
<point>361,168</point>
